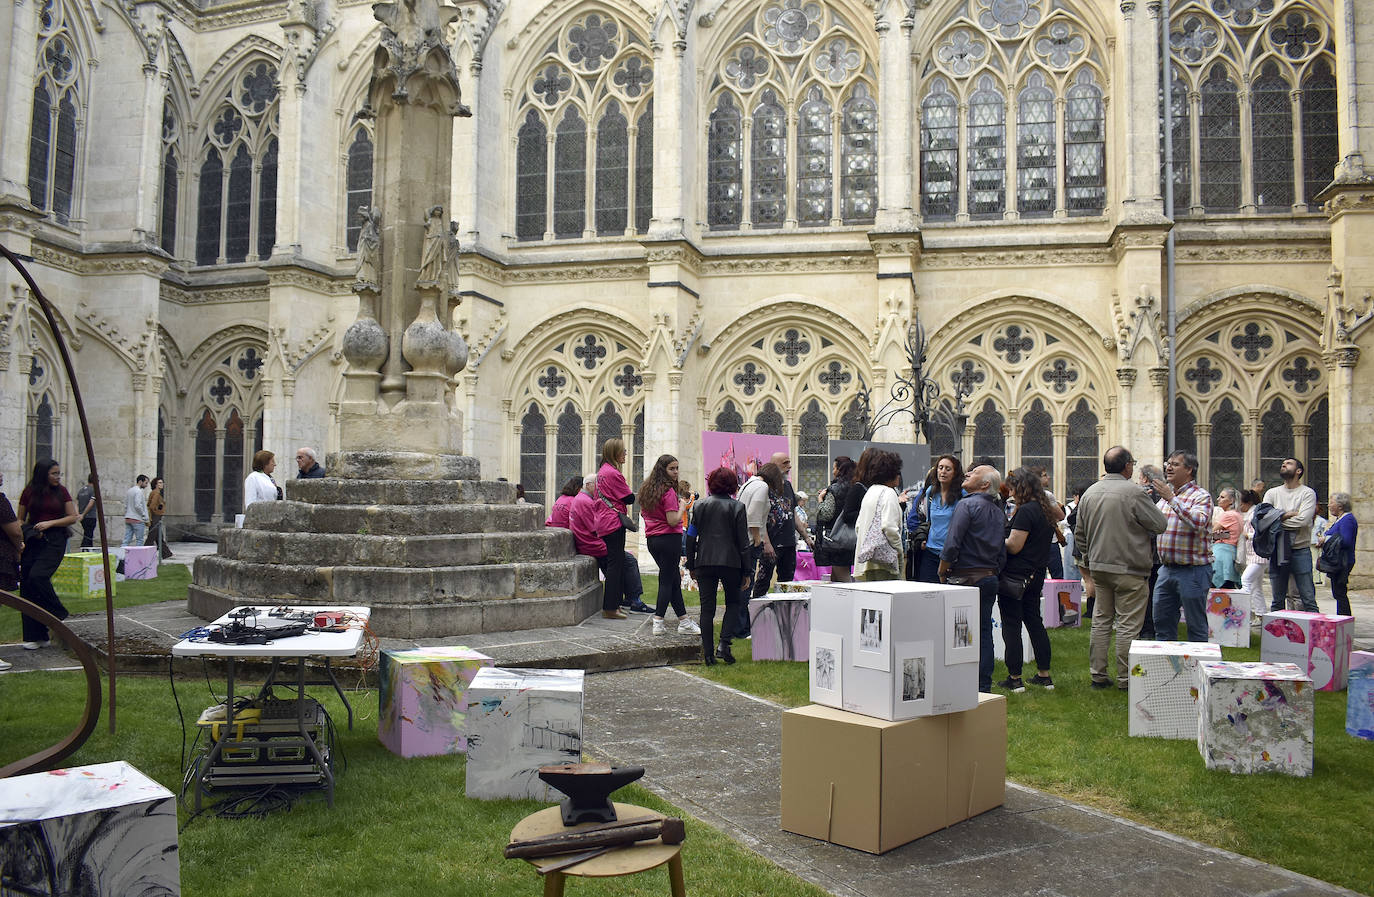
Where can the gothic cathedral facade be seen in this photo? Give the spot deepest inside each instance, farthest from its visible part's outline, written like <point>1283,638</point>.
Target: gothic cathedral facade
<point>678,215</point>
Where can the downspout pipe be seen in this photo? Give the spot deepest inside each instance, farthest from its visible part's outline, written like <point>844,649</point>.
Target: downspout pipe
<point>1170,273</point>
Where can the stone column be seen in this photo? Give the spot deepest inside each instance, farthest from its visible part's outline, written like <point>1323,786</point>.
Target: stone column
<point>18,57</point>
<point>147,226</point>
<point>1137,110</point>
<point>674,151</point>
<point>896,107</point>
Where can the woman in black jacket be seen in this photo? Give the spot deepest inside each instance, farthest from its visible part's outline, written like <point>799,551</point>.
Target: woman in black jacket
<point>832,505</point>
<point>718,555</point>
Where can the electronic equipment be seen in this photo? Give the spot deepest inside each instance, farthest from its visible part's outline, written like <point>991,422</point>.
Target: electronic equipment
<point>249,630</point>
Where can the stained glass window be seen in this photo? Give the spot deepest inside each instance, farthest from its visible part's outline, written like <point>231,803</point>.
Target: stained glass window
<point>725,166</point>
<point>769,420</point>
<point>813,449</point>
<point>231,473</point>
<point>208,218</point>
<point>52,135</point>
<point>531,180</point>
<point>359,192</point>
<point>859,158</point>
<point>237,214</point>
<point>40,146</point>
<point>1276,439</point>
<point>1185,431</point>
<point>612,172</point>
<point>644,170</point>
<point>1271,129</point>
<point>162,434</point>
<point>813,160</point>
<point>1182,147</point>
<point>267,201</point>
<point>1035,149</point>
<point>1317,463</point>
<point>989,442</point>
<point>568,453</point>
<point>1083,455</point>
<point>1085,147</point>
<point>939,153</point>
<point>1037,439</point>
<point>1227,449</point>
<point>43,430</point>
<point>1219,144</point>
<point>570,176</point>
<point>987,157</point>
<point>237,208</point>
<point>852,421</point>
<point>768,163</point>
<point>729,419</point>
<point>942,436</point>
<point>637,456</point>
<point>533,450</point>
<point>608,426</point>
<point>1319,144</point>
<point>205,468</point>
<point>171,176</point>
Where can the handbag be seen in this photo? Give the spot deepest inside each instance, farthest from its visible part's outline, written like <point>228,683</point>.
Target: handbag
<point>842,538</point>
<point>875,547</point>
<point>1332,557</point>
<point>1011,586</point>
<point>626,520</point>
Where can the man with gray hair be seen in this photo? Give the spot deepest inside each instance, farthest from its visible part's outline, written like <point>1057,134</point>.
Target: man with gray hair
<point>1185,550</point>
<point>974,553</point>
<point>308,468</point>
<point>1115,526</point>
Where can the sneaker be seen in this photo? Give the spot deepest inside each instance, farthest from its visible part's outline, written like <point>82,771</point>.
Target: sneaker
<point>659,628</point>
<point>34,646</point>
<point>5,665</point>
<point>1012,684</point>
<point>688,627</point>
<point>1101,685</point>
<point>615,615</point>
<point>639,607</point>
<point>1044,682</point>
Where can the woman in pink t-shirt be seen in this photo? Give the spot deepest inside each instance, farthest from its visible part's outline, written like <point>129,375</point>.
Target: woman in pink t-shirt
<point>662,515</point>
<point>611,486</point>
<point>559,513</point>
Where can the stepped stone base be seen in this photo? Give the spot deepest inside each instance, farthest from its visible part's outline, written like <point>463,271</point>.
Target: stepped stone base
<point>447,555</point>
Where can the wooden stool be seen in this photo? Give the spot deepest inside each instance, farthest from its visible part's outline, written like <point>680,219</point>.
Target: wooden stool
<point>627,860</point>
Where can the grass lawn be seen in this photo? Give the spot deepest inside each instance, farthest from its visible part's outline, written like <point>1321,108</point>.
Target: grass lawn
<point>1072,742</point>
<point>170,585</point>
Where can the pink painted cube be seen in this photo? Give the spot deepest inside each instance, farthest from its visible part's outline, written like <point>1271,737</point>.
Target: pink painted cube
<point>806,568</point>
<point>780,626</point>
<point>423,695</point>
<point>1228,617</point>
<point>1062,603</point>
<point>1318,643</point>
<point>140,562</point>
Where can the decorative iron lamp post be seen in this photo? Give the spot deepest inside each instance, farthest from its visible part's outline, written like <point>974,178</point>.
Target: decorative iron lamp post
<point>916,395</point>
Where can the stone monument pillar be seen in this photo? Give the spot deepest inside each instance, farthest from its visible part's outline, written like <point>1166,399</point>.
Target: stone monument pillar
<point>402,351</point>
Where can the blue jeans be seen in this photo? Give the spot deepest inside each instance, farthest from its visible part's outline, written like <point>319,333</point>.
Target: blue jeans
<point>1186,585</point>
<point>1300,568</point>
<point>135,531</point>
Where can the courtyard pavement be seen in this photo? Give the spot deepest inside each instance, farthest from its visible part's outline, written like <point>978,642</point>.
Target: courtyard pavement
<point>716,753</point>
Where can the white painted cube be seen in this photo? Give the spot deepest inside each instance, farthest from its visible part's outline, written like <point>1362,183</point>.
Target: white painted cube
<point>517,721</point>
<point>894,650</point>
<point>1228,617</point>
<point>105,830</point>
<point>1255,717</point>
<point>999,639</point>
<point>1318,643</point>
<point>1162,691</point>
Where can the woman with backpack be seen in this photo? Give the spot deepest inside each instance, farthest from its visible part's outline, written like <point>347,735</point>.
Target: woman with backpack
<point>832,506</point>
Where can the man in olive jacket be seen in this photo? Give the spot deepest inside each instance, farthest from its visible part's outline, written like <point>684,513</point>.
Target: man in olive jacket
<point>1116,527</point>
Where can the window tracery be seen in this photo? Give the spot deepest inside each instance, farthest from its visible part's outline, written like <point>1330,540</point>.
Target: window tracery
<point>237,201</point>
<point>58,113</point>
<point>792,102</point>
<point>593,91</point>
<point>228,429</point>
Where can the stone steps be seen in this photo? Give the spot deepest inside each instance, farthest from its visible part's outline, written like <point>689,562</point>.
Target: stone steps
<point>394,520</point>
<point>336,491</point>
<point>447,550</point>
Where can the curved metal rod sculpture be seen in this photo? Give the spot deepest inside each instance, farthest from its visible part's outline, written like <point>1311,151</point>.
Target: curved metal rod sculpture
<point>90,459</point>
<point>50,757</point>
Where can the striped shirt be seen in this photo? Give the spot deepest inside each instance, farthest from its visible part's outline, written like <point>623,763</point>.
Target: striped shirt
<point>1185,540</point>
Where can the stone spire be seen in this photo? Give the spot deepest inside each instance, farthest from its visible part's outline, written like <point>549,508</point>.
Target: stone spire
<point>402,350</point>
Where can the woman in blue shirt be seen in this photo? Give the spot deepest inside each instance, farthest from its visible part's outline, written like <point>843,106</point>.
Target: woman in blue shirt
<point>1345,527</point>
<point>936,504</point>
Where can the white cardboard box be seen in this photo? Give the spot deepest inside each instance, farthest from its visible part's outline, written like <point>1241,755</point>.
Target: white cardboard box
<point>105,830</point>
<point>1318,643</point>
<point>1228,617</point>
<point>894,650</point>
<point>1255,717</point>
<point>1162,693</point>
<point>517,721</point>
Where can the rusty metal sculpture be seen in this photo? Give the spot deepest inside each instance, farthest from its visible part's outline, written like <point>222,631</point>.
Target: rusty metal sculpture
<point>69,745</point>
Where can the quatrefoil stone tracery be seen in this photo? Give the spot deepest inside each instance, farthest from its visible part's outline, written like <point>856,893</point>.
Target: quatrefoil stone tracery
<point>589,352</point>
<point>961,51</point>
<point>749,379</point>
<point>790,26</point>
<point>1301,374</point>
<point>1009,18</point>
<point>551,381</point>
<point>1202,375</point>
<point>746,68</point>
<point>627,381</point>
<point>965,377</point>
<point>1060,376</point>
<point>1013,344</point>
<point>791,347</point>
<point>1251,343</point>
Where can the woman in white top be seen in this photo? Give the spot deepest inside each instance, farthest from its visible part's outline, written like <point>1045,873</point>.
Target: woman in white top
<point>879,527</point>
<point>260,486</point>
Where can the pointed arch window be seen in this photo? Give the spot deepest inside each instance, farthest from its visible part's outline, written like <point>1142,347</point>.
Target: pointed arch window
<point>1276,439</point>
<point>533,451</point>
<point>813,160</point>
<point>852,421</point>
<point>570,176</point>
<point>859,158</point>
<point>987,156</point>
<point>637,455</point>
<point>1226,449</point>
<point>1319,141</point>
<point>231,467</point>
<point>1083,455</point>
<point>1036,156</point>
<point>768,158</point>
<point>1037,437</point>
<point>729,419</point>
<point>237,202</point>
<point>989,440</point>
<point>813,449</point>
<point>531,179</point>
<point>568,456</point>
<point>644,169</point>
<point>1271,132</point>
<point>942,440</point>
<point>1185,431</point>
<point>43,442</point>
<point>1219,142</point>
<point>609,425</point>
<point>1182,146</point>
<point>1318,469</point>
<point>171,180</point>
<point>939,153</point>
<point>612,172</point>
<point>162,434</point>
<point>1085,147</point>
<point>769,420</point>
<point>358,189</point>
<point>54,125</point>
<point>205,466</point>
<point>725,165</point>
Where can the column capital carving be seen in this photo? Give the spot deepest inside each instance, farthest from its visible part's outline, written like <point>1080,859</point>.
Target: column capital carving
<point>1126,376</point>
<point>1159,377</point>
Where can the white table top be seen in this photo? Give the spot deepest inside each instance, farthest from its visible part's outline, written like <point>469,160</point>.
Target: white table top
<point>311,644</point>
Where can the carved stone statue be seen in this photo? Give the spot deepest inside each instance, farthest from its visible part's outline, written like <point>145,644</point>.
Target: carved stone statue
<point>451,291</point>
<point>434,258</point>
<point>368,275</point>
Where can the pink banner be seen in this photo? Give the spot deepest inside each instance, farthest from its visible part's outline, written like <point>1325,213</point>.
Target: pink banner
<point>744,453</point>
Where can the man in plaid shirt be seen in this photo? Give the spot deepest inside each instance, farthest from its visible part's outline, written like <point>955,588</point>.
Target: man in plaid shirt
<point>1185,553</point>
